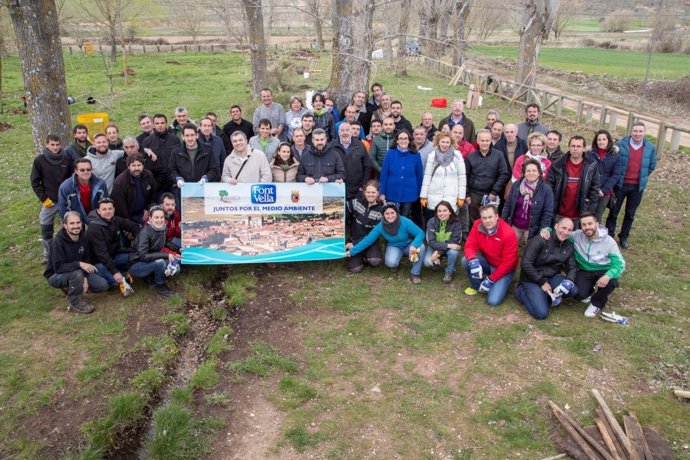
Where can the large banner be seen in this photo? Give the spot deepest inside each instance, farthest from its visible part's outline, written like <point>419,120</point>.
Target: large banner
<point>254,223</point>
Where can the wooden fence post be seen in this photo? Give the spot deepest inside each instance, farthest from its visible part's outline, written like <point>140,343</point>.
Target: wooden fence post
<point>661,139</point>
<point>590,113</point>
<point>602,116</point>
<point>613,123</point>
<point>631,120</point>
<point>675,140</point>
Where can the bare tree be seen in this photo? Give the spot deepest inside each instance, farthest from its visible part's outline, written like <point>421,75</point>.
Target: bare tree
<point>537,21</point>
<point>486,17</point>
<point>461,14</point>
<point>400,63</point>
<point>429,14</point>
<point>228,12</point>
<point>352,46</point>
<point>38,43</point>
<point>111,14</point>
<point>564,16</point>
<point>315,9</point>
<point>257,43</point>
<point>189,18</point>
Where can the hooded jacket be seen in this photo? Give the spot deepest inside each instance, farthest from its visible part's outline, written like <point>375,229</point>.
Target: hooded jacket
<point>70,200</point>
<point>500,249</point>
<point>48,172</point>
<point>65,254</point>
<point>598,254</point>
<point>104,238</point>
<point>408,234</point>
<point>444,182</point>
<point>609,168</point>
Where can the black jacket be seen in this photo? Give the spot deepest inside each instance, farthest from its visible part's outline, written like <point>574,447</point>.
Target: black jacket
<point>160,172</point>
<point>104,238</point>
<point>486,174</point>
<point>357,166</point>
<point>366,217</point>
<point>588,193</point>
<point>125,194</point>
<point>433,226</point>
<point>326,163</point>
<point>162,145</point>
<point>545,258</point>
<point>403,123</point>
<point>520,149</point>
<point>231,127</point>
<point>204,165</point>
<point>48,172</point>
<point>64,255</point>
<point>149,245</point>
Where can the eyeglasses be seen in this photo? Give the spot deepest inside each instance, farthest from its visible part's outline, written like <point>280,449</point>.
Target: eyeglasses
<point>536,145</point>
<point>84,170</point>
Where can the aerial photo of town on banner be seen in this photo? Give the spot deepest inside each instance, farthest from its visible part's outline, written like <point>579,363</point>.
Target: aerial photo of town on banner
<point>253,223</point>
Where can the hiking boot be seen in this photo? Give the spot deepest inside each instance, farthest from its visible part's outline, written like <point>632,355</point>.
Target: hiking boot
<point>415,279</point>
<point>624,243</point>
<point>164,292</point>
<point>81,307</point>
<point>470,291</point>
<point>448,277</point>
<point>592,311</point>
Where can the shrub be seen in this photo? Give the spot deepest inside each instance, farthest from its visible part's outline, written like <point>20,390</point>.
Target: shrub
<point>618,21</point>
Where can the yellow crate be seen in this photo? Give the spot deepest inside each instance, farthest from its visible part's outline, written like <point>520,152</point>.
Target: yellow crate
<point>96,122</point>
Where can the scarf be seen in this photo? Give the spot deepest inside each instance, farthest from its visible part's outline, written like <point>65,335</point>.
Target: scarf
<point>392,228</point>
<point>527,192</point>
<point>443,159</point>
<point>602,153</point>
<point>54,159</point>
<point>319,113</point>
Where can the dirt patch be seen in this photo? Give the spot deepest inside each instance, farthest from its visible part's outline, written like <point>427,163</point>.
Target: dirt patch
<point>4,126</point>
<point>303,54</point>
<point>253,426</point>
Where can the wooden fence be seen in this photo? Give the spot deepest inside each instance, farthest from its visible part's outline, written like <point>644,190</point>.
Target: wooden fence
<point>198,48</point>
<point>591,114</point>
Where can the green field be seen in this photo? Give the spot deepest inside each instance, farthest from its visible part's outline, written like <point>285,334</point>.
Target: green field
<point>340,366</point>
<point>596,61</point>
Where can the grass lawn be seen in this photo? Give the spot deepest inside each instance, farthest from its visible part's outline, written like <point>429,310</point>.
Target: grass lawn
<point>596,61</point>
<point>359,366</point>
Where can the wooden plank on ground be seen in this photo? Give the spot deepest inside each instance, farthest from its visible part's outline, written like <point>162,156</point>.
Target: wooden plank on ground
<point>607,436</point>
<point>574,433</point>
<point>633,435</point>
<point>619,448</point>
<point>620,434</point>
<point>682,393</point>
<point>645,445</point>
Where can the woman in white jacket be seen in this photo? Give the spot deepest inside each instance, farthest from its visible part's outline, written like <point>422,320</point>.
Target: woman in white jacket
<point>444,176</point>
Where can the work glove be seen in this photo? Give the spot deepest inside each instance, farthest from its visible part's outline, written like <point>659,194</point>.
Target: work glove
<point>48,203</point>
<point>565,287</point>
<point>424,202</point>
<point>476,269</point>
<point>203,180</point>
<point>180,182</point>
<point>486,285</point>
<point>460,202</point>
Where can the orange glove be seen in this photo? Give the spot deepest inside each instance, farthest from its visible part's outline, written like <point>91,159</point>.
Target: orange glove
<point>424,202</point>
<point>460,202</point>
<point>48,203</point>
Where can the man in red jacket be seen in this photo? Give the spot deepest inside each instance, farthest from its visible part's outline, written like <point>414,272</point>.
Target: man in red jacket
<point>492,250</point>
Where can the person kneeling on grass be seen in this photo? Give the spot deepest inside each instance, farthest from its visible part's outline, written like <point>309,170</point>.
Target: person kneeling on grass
<point>491,248</point>
<point>150,255</point>
<point>69,266</point>
<point>542,283</point>
<point>366,214</point>
<point>402,236</point>
<point>443,235</point>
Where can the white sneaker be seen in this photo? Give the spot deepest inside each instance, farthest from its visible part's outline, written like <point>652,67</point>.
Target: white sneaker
<point>587,300</point>
<point>591,311</point>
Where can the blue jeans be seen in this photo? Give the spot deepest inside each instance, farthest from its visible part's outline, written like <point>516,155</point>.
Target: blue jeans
<point>452,254</point>
<point>633,197</point>
<point>121,261</point>
<point>498,290</point>
<point>144,269</point>
<point>393,256</point>
<point>536,301</point>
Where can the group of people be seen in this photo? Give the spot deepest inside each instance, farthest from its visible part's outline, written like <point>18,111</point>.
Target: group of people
<point>452,191</point>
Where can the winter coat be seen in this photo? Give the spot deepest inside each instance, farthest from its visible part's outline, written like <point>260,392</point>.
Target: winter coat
<point>317,164</point>
<point>64,255</point>
<point>327,123</point>
<point>215,143</point>
<point>48,172</point>
<point>159,171</point>
<point>525,128</point>
<point>149,245</point>
<point>609,168</point>
<point>125,193</point>
<point>648,161</point>
<point>541,213</point>
<point>500,249</point>
<point>256,169</point>
<point>408,234</point>
<point>281,175</point>
<point>365,217</point>
<point>520,149</point>
<point>76,151</point>
<point>357,165</point>
<point>545,258</point>
<point>466,123</point>
<point>598,254</point>
<point>380,145</point>
<point>434,225</point>
<point>204,165</point>
<point>104,238</point>
<point>162,145</point>
<point>70,200</point>
<point>401,176</point>
<point>486,174</point>
<point>588,194</point>
<point>444,182</point>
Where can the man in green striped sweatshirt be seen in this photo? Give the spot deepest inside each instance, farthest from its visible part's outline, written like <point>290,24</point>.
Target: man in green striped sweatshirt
<point>599,261</point>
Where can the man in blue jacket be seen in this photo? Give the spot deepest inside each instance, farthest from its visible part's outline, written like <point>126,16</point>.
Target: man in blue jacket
<point>638,161</point>
<point>82,191</point>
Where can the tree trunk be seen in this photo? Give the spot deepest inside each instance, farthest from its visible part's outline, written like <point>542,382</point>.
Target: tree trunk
<point>462,13</point>
<point>400,64</point>
<point>352,46</point>
<point>388,45</point>
<point>443,23</point>
<point>318,28</point>
<point>113,43</point>
<point>38,44</point>
<point>537,20</point>
<point>257,44</point>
